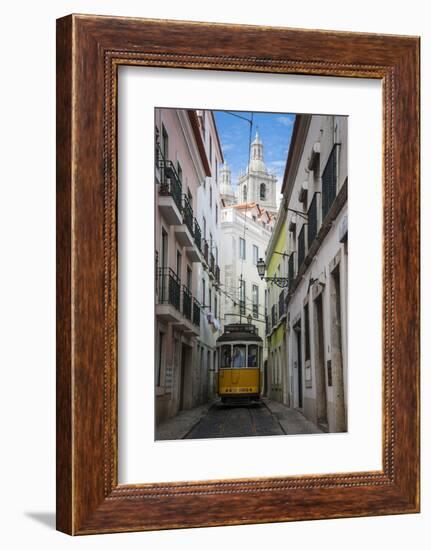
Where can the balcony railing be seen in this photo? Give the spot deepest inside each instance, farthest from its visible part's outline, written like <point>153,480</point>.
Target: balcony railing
<point>170,184</point>
<point>187,303</point>
<point>329,182</point>
<point>256,311</point>
<point>217,273</point>
<point>273,316</point>
<point>169,287</point>
<point>301,246</point>
<point>187,211</point>
<point>197,234</point>
<point>196,313</point>
<point>281,304</point>
<point>291,269</point>
<point>312,220</point>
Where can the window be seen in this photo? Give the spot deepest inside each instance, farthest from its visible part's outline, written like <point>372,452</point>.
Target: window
<point>241,248</point>
<point>179,172</point>
<point>329,182</point>
<point>211,197</point>
<point>215,306</point>
<point>157,146</point>
<point>226,357</point>
<point>307,332</point>
<point>210,299</point>
<point>165,143</point>
<point>242,297</point>
<point>244,193</point>
<point>216,167</point>
<point>164,250</point>
<point>252,359</point>
<point>255,254</point>
<point>179,264</point>
<point>238,358</point>
<point>189,278</point>
<point>203,292</point>
<point>204,227</point>
<point>262,192</point>
<point>255,298</point>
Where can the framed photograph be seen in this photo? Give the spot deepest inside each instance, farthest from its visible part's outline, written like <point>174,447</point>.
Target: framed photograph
<point>237,274</point>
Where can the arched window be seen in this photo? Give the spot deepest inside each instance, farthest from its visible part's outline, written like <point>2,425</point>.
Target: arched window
<point>244,193</point>
<point>262,192</point>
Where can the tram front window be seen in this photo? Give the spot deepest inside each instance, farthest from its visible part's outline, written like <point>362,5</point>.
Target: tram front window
<point>226,357</point>
<point>238,359</point>
<point>252,360</point>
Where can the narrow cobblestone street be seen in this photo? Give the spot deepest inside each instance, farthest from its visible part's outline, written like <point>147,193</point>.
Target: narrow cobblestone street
<point>216,420</point>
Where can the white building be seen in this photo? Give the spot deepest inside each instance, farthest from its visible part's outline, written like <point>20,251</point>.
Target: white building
<point>208,215</point>
<point>245,232</point>
<point>312,230</point>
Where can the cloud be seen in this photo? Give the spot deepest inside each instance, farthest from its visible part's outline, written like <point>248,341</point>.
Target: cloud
<point>227,147</point>
<point>285,120</point>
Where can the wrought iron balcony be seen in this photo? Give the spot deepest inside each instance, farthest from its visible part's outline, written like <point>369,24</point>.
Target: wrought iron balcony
<point>187,212</point>
<point>196,313</point>
<point>197,234</point>
<point>187,303</point>
<point>169,287</point>
<point>301,246</point>
<point>170,184</point>
<point>256,311</point>
<point>312,220</point>
<point>329,181</point>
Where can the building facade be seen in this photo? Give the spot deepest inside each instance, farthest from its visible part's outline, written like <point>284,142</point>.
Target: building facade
<point>208,271</point>
<point>307,320</point>
<point>245,232</point>
<point>185,166</point>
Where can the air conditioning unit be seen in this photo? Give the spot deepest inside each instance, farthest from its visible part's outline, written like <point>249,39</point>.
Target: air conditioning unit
<point>292,223</point>
<point>314,157</point>
<point>303,192</point>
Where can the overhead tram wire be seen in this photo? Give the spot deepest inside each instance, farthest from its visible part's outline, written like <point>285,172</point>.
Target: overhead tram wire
<point>250,122</point>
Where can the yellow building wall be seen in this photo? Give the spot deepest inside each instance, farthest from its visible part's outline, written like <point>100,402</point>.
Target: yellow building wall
<point>280,246</point>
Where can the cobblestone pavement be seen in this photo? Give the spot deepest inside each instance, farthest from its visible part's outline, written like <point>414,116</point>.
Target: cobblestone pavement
<point>236,421</point>
<point>291,420</point>
<point>179,426</point>
<point>215,420</point>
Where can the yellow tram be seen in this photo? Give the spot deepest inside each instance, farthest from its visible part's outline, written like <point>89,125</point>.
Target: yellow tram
<point>240,350</point>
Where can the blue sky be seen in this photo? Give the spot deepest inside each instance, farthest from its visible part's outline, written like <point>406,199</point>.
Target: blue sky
<point>275,130</point>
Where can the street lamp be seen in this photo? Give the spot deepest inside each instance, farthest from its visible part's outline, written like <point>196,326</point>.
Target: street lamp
<point>282,282</point>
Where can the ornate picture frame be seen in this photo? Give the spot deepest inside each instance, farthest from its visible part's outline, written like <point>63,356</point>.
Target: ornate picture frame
<point>89,51</point>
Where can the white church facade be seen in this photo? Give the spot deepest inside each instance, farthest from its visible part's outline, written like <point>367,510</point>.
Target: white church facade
<point>247,219</point>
